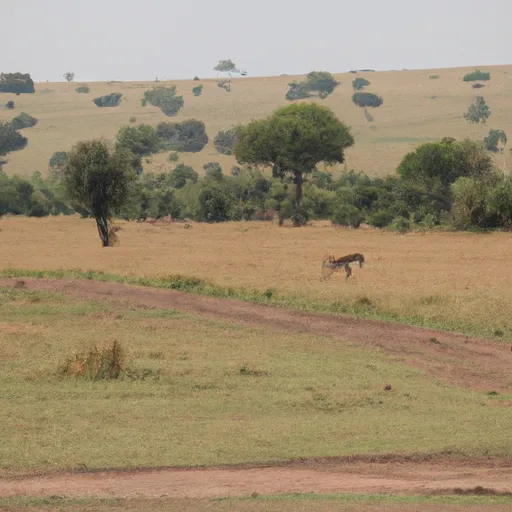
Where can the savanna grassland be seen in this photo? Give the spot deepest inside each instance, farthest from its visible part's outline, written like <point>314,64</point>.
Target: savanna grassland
<point>457,281</point>
<point>416,109</point>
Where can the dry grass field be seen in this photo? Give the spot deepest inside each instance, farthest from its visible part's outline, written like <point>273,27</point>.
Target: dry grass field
<point>458,281</point>
<point>416,109</point>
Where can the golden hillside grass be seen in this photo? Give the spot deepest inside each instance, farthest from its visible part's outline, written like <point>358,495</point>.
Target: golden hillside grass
<point>461,281</point>
<point>310,396</point>
<point>409,116</point>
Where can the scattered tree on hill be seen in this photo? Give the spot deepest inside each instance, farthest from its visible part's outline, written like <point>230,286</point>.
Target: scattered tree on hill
<point>225,141</point>
<point>320,83</point>
<point>10,139</point>
<point>478,111</point>
<point>99,181</point>
<point>82,89</point>
<point>141,140</point>
<point>367,99</point>
<point>359,83</point>
<point>181,174</point>
<point>165,99</point>
<point>110,100</point>
<point>17,83</point>
<point>477,75</point>
<point>57,162</point>
<point>9,105</point>
<point>23,120</point>
<point>293,140</point>
<point>197,91</point>
<point>188,136</point>
<point>225,66</point>
<point>496,140</point>
<point>69,76</point>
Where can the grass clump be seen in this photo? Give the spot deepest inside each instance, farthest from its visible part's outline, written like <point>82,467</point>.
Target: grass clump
<point>83,89</point>
<point>98,363</point>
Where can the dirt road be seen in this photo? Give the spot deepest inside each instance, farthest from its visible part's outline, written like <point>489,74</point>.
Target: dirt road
<point>457,359</point>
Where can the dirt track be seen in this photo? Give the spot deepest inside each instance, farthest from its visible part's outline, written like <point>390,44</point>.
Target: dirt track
<point>458,359</point>
<point>441,476</point>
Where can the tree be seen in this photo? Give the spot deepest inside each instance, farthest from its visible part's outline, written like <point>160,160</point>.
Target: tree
<point>225,66</point>
<point>110,100</point>
<point>477,75</point>
<point>99,181</point>
<point>225,141</point>
<point>213,170</point>
<point>478,111</point>
<point>197,90</point>
<point>9,105</point>
<point>69,76</point>
<point>165,99</point>
<point>17,83</point>
<point>58,160</point>
<point>188,136</point>
<point>293,140</point>
<point>359,83</point>
<point>321,83</point>
<point>367,99</point>
<point>141,140</point>
<point>10,139</point>
<point>495,138</point>
<point>181,174</point>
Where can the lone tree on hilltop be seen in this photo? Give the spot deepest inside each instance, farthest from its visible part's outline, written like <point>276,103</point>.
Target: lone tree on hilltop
<point>293,140</point>
<point>10,139</point>
<point>225,66</point>
<point>98,181</point>
<point>69,76</point>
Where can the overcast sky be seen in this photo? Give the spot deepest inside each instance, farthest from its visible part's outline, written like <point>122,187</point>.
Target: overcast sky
<point>144,39</point>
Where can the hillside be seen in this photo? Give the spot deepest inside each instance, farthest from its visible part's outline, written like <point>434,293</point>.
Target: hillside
<point>416,109</point>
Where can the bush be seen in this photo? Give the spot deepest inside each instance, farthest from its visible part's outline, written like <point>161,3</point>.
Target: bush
<point>434,77</point>
<point>224,84</point>
<point>58,160</point>
<point>23,120</point>
<point>477,75</point>
<point>347,215</point>
<point>367,99</point>
<point>9,105</point>
<point>133,119</point>
<point>213,170</point>
<point>477,86</point>
<point>17,83</point>
<point>400,225</point>
<point>197,91</point>
<point>359,83</point>
<point>10,139</point>
<point>173,156</point>
<point>98,363</point>
<point>478,111</point>
<point>181,174</point>
<point>381,218</point>
<point>141,140</point>
<point>188,136</point>
<point>110,100</point>
<point>469,203</point>
<point>196,78</point>
<point>494,139</point>
<point>320,82</point>
<point>225,141</point>
<point>165,99</point>
<point>297,91</point>
<point>82,89</point>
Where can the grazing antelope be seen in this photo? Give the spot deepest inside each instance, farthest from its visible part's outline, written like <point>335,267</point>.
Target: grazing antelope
<point>330,264</point>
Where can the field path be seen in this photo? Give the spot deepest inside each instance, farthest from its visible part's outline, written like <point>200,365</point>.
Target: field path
<point>459,360</point>
<point>442,476</point>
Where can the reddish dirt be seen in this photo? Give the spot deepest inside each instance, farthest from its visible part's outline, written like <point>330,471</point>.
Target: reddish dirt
<point>459,360</point>
<point>440,476</point>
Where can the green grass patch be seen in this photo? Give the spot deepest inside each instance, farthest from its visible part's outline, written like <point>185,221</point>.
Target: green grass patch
<point>271,394</point>
<point>359,307</point>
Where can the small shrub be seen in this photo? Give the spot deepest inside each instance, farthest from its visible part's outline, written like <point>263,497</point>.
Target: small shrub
<point>359,83</point>
<point>83,89</point>
<point>246,370</point>
<point>353,71</point>
<point>133,119</point>
<point>477,86</point>
<point>23,120</point>
<point>224,84</point>
<point>368,116</point>
<point>494,139</point>
<point>196,78</point>
<point>174,156</point>
<point>380,218</point>
<point>9,105</point>
<point>477,75</point>
<point>434,341</point>
<point>98,363</point>
<point>198,90</point>
<point>367,99</point>
<point>110,100</point>
<point>434,77</point>
<point>498,333</point>
<point>367,70</point>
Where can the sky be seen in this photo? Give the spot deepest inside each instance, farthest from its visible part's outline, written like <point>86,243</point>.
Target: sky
<point>145,39</point>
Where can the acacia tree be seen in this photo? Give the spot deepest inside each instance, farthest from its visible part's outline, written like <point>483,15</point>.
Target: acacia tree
<point>98,180</point>
<point>69,76</point>
<point>293,140</point>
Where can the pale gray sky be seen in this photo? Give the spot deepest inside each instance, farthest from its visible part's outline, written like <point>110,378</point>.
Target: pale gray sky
<point>143,39</point>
